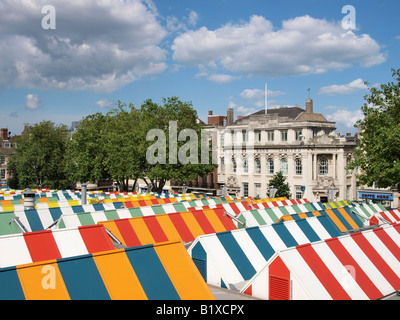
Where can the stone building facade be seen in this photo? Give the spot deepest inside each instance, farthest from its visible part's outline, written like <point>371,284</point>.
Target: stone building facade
<point>302,144</point>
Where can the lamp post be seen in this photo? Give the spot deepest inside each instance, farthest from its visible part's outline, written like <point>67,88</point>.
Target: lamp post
<point>29,199</point>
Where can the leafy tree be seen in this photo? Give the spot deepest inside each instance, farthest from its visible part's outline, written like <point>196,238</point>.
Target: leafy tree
<point>85,151</point>
<point>38,160</point>
<point>278,182</point>
<point>116,145</point>
<point>183,159</point>
<point>377,154</point>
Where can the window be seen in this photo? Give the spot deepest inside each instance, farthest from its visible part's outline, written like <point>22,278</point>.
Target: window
<point>298,192</point>
<point>2,160</point>
<point>284,166</point>
<point>245,189</point>
<point>348,192</point>
<point>7,145</point>
<point>348,171</point>
<point>257,190</point>
<point>323,167</point>
<point>233,136</point>
<point>298,135</point>
<point>315,132</point>
<point>298,167</point>
<point>270,166</point>
<point>245,136</point>
<point>245,165</point>
<point>2,174</point>
<point>284,135</point>
<point>234,165</point>
<point>257,165</point>
<point>270,136</point>
<point>223,140</point>
<point>257,136</point>
<point>222,164</point>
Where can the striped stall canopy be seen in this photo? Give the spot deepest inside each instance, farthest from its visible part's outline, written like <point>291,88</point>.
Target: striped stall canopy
<point>299,206</point>
<point>73,216</point>
<point>153,272</point>
<point>228,259</point>
<point>337,204</point>
<point>280,203</point>
<point>361,266</point>
<point>47,245</point>
<point>391,216</point>
<point>185,226</point>
<point>343,218</point>
<point>365,211</point>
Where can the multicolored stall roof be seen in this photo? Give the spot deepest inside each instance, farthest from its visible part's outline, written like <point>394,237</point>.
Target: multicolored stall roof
<point>154,272</point>
<point>46,245</point>
<point>343,218</point>
<point>228,259</point>
<point>360,266</point>
<point>185,226</point>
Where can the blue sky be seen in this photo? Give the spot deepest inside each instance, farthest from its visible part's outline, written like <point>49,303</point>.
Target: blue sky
<point>216,54</point>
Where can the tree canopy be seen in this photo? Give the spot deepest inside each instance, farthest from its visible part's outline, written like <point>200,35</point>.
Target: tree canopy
<point>377,155</point>
<point>39,157</point>
<point>118,145</point>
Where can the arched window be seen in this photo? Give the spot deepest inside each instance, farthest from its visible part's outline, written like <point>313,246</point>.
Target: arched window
<point>323,167</point>
<point>284,166</point>
<point>298,167</point>
<point>270,166</point>
<point>245,165</point>
<point>257,165</point>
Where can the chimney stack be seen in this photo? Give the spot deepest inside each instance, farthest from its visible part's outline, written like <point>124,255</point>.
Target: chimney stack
<point>4,133</point>
<point>229,120</point>
<point>309,106</point>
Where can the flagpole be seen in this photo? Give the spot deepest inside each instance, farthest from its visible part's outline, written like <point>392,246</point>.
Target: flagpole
<point>266,98</point>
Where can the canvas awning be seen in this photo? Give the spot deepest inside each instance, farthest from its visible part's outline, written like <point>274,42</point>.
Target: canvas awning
<point>154,272</point>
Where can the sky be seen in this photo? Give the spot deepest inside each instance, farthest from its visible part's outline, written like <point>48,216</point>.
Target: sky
<point>75,58</point>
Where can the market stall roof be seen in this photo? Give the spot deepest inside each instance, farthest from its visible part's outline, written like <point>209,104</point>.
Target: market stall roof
<point>227,259</point>
<point>154,272</point>
<point>185,226</point>
<point>46,245</point>
<point>362,265</point>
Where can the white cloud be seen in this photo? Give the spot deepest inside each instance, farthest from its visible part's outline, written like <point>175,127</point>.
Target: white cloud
<point>33,101</point>
<point>258,93</point>
<point>222,78</point>
<point>349,88</point>
<point>186,23</point>
<point>344,117</point>
<point>304,45</point>
<point>241,110</point>
<point>104,103</point>
<point>97,45</point>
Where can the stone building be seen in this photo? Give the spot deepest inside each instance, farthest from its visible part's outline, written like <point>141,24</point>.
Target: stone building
<point>302,144</point>
<point>7,148</point>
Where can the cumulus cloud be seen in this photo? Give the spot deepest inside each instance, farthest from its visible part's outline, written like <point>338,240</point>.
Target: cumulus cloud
<point>258,93</point>
<point>302,46</point>
<point>344,117</point>
<point>104,103</point>
<point>349,88</point>
<point>97,45</point>
<point>33,101</point>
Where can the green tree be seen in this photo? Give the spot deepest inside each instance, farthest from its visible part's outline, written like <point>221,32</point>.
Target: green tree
<point>278,182</point>
<point>85,155</point>
<point>377,154</point>
<point>116,145</point>
<point>182,147</point>
<point>38,161</point>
